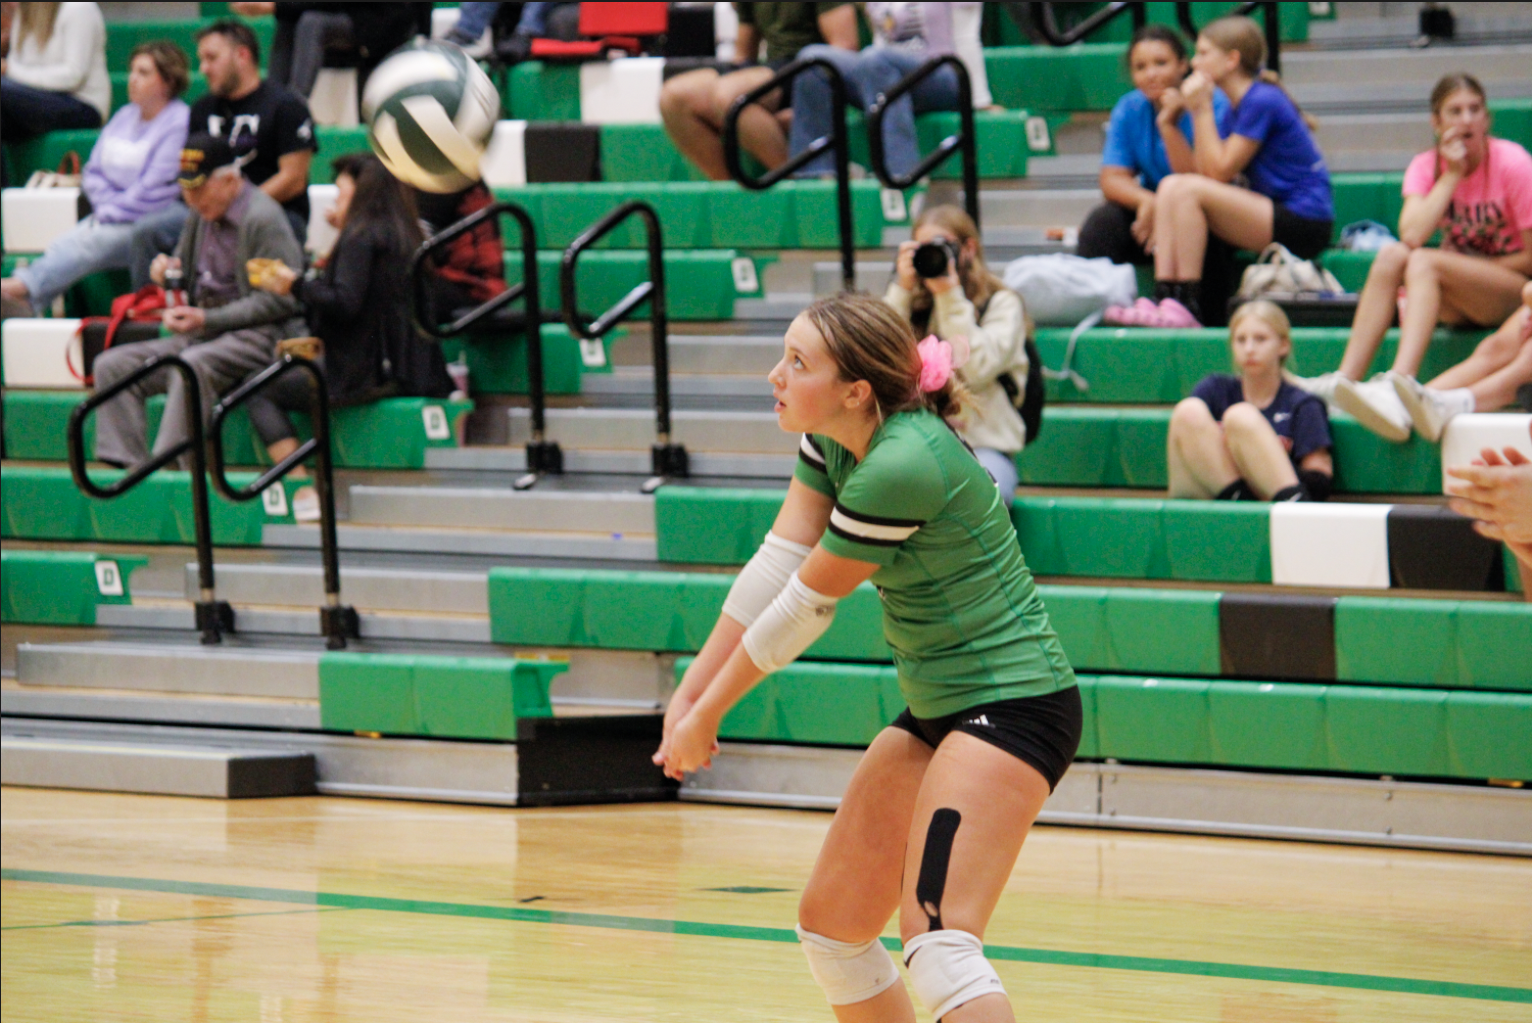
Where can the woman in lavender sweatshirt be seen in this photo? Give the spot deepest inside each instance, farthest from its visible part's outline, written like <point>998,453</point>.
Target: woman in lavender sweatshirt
<point>131,172</point>
<point>905,36</point>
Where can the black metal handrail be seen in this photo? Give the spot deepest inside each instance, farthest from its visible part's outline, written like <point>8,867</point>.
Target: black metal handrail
<point>1270,18</point>
<point>836,141</point>
<point>1047,26</point>
<point>965,141</point>
<point>543,455</point>
<point>668,458</point>
<point>336,621</point>
<point>213,617</point>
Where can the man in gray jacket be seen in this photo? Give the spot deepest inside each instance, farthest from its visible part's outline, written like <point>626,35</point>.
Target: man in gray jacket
<point>225,329</point>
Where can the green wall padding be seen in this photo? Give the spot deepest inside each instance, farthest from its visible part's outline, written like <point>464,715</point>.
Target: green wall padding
<point>1328,728</point>
<point>699,284</point>
<point>60,587</point>
<point>498,364</point>
<point>713,526</point>
<point>42,503</point>
<point>1087,76</point>
<point>439,697</point>
<point>388,434</point>
<point>1468,643</point>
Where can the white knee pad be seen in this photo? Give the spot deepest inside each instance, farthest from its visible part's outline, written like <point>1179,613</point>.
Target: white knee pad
<point>849,972</point>
<point>949,970</point>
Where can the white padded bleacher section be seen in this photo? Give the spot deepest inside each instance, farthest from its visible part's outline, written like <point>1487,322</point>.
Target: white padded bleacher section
<point>34,217</point>
<point>504,164</point>
<point>623,91</point>
<point>321,236</point>
<point>334,101</point>
<point>1468,435</point>
<point>1330,544</point>
<point>39,353</point>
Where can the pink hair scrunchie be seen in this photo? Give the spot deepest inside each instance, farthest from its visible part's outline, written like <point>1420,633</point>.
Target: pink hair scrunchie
<point>935,364</point>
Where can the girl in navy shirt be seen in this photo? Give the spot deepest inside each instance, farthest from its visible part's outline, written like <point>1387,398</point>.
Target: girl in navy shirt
<point>1252,436</point>
<point>1288,199</point>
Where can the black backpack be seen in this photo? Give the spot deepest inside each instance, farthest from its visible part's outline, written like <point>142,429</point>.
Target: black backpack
<point>1029,396</point>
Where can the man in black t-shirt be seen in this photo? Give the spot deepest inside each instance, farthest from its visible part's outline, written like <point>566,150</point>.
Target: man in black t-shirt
<point>268,127</point>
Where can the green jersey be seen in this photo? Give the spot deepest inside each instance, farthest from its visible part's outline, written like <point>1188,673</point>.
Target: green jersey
<point>960,609</point>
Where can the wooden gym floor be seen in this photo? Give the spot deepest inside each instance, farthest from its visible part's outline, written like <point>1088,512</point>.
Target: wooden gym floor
<point>279,911</point>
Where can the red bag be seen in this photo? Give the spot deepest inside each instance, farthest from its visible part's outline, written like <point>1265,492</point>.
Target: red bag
<point>146,305</point>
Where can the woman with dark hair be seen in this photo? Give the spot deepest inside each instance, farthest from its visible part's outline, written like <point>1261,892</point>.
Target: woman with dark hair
<point>1148,138</point>
<point>131,174</point>
<point>358,305</point>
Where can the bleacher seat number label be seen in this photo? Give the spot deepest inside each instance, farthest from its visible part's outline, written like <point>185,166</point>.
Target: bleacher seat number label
<point>893,205</point>
<point>592,353</point>
<point>1038,139</point>
<point>274,500</point>
<point>437,427</point>
<point>108,579</point>
<point>745,277</point>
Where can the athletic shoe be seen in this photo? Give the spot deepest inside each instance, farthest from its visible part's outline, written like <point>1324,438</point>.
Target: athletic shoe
<point>1429,408</point>
<point>1321,387</point>
<point>305,505</point>
<point>1176,316</point>
<point>1375,406</point>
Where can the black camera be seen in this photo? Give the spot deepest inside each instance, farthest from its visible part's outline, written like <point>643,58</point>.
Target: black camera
<point>933,258</point>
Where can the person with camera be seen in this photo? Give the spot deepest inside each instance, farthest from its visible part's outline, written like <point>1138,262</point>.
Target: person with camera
<point>943,286</point>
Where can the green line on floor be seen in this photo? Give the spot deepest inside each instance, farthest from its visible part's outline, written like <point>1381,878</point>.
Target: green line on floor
<point>691,928</point>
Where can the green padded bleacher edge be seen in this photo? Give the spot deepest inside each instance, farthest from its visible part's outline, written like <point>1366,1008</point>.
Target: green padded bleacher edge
<point>703,214</point>
<point>498,364</point>
<point>1134,365</point>
<point>59,587</point>
<point>1346,729</point>
<point>386,434</point>
<point>1103,629</point>
<point>1091,446</point>
<point>699,284</point>
<point>42,503</point>
<point>432,696</point>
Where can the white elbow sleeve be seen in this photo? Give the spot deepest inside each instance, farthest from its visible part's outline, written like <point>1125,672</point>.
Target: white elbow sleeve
<point>763,577</point>
<point>789,626</point>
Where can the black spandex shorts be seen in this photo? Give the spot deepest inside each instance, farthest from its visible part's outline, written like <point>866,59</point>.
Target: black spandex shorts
<point>1303,237</point>
<point>1043,731</point>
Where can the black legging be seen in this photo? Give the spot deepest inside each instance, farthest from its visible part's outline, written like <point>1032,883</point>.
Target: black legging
<point>268,409</point>
<point>1108,232</point>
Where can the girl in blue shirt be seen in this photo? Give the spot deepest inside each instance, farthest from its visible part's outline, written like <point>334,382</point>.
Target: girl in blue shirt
<point>1148,138</point>
<point>1288,199</point>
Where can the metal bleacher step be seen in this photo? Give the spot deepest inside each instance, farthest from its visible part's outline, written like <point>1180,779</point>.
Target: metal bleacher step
<point>231,670</point>
<point>719,443</point>
<point>489,521</point>
<point>1477,24</point>
<point>638,381</point>
<point>104,764</point>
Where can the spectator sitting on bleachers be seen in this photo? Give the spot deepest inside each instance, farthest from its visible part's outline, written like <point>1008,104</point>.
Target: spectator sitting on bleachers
<point>1485,381</point>
<point>969,302</point>
<point>358,306</point>
<point>1251,436</point>
<point>54,73</point>
<point>227,329</point>
<point>131,173</point>
<point>1148,138</point>
<point>1475,189</point>
<point>266,125</point>
<point>1288,200</point>
<point>905,36</point>
<point>306,31</point>
<point>1496,489</point>
<point>470,270</point>
<point>693,104</point>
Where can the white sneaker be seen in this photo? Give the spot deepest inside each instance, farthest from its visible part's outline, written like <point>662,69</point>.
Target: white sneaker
<point>1429,408</point>
<point>1321,387</point>
<point>1375,406</point>
<point>305,505</point>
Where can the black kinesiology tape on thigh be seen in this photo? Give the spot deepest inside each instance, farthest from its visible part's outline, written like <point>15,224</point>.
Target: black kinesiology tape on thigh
<point>933,864</point>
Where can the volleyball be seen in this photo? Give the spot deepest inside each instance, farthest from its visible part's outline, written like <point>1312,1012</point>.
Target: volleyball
<point>430,110</point>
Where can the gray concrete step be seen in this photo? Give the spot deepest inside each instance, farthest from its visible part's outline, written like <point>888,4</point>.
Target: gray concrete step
<point>228,670</point>
<point>502,509</point>
<point>398,590</point>
<point>633,430</point>
<point>704,464</point>
<point>1413,70</point>
<point>1477,24</point>
<point>127,766</point>
<point>428,540</point>
<point>748,386</point>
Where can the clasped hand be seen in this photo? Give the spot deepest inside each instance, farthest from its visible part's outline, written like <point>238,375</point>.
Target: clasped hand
<point>689,743</point>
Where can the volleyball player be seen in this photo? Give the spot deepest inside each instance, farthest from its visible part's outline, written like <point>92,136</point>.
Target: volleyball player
<point>935,815</point>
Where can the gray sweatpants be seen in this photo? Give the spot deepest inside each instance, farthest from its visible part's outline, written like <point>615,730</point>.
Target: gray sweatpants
<point>220,363</point>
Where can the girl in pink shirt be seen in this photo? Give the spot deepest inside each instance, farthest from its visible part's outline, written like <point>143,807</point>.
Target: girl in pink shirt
<point>1478,191</point>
